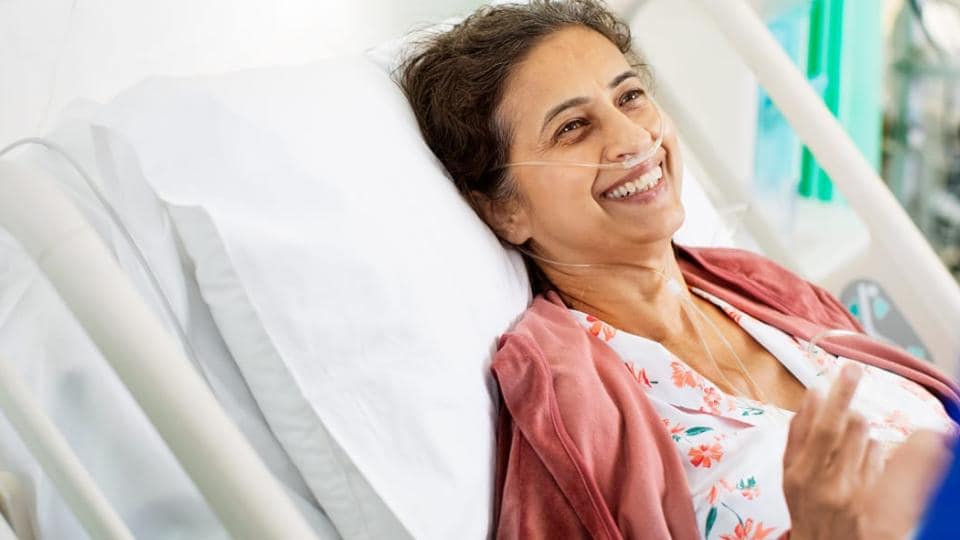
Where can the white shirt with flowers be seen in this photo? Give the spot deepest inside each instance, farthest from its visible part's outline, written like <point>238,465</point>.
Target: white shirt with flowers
<point>732,447</point>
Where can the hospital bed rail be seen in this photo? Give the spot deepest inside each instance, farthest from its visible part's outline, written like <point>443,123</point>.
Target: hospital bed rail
<point>898,255</point>
<point>246,498</point>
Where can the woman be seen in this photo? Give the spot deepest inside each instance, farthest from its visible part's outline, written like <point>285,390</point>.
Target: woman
<point>542,115</point>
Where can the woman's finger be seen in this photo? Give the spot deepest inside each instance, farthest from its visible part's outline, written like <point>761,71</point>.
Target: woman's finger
<point>800,424</point>
<point>848,459</point>
<point>843,389</point>
<point>827,430</point>
<point>872,463</point>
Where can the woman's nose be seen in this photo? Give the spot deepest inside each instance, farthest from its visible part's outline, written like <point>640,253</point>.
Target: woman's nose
<point>626,137</point>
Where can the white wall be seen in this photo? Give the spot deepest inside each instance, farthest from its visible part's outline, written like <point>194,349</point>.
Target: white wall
<point>52,51</point>
<point>694,64</point>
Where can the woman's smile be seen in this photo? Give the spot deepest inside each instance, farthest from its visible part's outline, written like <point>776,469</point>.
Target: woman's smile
<point>642,191</point>
<point>641,185</point>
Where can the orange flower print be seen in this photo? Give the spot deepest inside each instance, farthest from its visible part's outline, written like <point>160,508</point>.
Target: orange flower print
<point>898,421</point>
<point>711,400</point>
<point>676,430</point>
<point>712,495</point>
<point>715,490</point>
<point>745,531</point>
<point>601,329</point>
<point>749,488</point>
<point>732,313</point>
<point>683,376</point>
<point>643,378</point>
<point>640,374</point>
<point>704,455</point>
<point>762,533</point>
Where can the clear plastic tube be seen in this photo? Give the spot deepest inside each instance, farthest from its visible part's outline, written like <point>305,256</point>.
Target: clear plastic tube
<point>832,332</point>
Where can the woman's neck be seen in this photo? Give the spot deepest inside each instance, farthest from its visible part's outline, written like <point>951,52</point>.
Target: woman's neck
<point>633,296</point>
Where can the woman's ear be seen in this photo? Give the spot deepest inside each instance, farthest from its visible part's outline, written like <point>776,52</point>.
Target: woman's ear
<point>507,217</point>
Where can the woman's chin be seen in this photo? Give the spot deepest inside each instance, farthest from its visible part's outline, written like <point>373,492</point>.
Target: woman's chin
<point>659,227</point>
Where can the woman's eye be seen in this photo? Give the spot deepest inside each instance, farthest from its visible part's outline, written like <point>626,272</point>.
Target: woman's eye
<point>631,95</point>
<point>573,125</point>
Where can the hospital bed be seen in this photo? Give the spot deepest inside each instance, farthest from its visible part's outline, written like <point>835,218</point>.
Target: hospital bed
<point>282,342</point>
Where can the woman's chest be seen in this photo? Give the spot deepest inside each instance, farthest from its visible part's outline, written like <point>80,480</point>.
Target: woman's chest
<point>742,367</point>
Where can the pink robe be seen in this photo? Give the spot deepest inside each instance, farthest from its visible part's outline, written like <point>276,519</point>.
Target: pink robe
<point>581,452</point>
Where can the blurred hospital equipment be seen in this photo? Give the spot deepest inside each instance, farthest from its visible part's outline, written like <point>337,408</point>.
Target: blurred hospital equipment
<point>328,305</point>
<point>922,140</point>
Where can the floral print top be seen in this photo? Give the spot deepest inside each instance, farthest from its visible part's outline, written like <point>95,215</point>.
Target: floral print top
<point>732,447</point>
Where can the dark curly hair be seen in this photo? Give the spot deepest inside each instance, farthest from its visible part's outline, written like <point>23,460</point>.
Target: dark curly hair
<point>455,83</point>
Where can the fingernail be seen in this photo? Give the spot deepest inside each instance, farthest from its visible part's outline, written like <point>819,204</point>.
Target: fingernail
<point>851,373</point>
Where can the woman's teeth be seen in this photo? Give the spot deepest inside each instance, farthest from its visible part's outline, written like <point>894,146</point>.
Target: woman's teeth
<point>649,179</point>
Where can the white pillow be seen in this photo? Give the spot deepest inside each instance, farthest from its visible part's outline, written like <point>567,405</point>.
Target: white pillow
<point>357,291</point>
<point>147,221</point>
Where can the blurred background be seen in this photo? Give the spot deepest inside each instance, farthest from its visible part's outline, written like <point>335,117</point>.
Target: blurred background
<point>921,129</point>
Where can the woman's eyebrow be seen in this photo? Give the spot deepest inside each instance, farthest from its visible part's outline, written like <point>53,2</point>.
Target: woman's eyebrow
<point>572,102</point>
<point>622,77</point>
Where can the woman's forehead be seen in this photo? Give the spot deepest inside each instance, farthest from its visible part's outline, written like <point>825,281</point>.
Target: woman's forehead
<point>573,62</point>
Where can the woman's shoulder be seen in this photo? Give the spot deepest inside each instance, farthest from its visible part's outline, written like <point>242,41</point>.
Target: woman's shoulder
<point>544,329</point>
<point>736,275</point>
<point>726,259</point>
<point>549,346</point>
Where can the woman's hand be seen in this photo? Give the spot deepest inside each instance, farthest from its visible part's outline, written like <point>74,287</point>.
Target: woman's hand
<point>834,478</point>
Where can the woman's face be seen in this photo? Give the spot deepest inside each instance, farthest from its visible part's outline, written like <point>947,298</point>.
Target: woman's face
<point>575,98</point>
